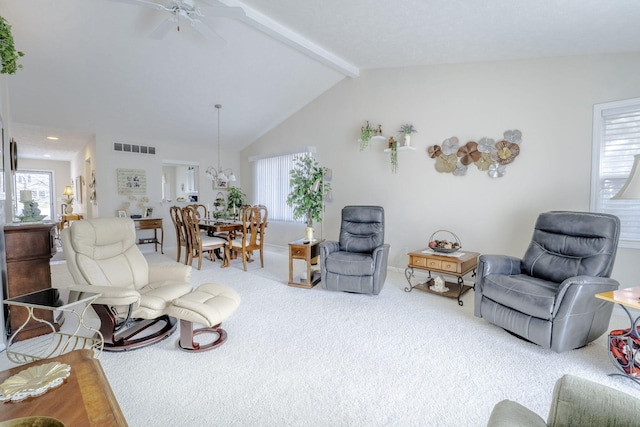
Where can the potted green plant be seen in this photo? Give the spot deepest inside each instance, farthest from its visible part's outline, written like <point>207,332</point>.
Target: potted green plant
<point>407,129</point>
<point>8,53</point>
<point>366,132</point>
<point>307,191</point>
<point>235,199</point>
<point>393,149</point>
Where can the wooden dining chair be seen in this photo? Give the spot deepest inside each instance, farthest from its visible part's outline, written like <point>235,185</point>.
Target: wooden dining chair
<point>182,239</point>
<point>201,210</point>
<point>199,242</point>
<point>254,222</point>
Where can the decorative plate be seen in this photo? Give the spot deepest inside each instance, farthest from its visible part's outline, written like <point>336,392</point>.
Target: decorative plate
<point>33,381</point>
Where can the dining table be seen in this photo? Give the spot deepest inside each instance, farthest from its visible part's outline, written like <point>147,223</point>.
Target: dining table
<point>219,227</point>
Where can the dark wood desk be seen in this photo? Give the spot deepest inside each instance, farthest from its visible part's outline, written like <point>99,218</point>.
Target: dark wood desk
<point>84,399</point>
<point>154,224</point>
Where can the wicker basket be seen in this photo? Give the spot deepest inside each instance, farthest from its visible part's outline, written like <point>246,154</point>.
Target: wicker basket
<point>457,245</point>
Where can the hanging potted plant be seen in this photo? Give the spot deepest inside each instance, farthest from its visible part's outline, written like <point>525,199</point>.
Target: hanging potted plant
<point>407,129</point>
<point>393,149</point>
<point>307,191</point>
<point>8,53</point>
<point>366,132</point>
<point>235,200</point>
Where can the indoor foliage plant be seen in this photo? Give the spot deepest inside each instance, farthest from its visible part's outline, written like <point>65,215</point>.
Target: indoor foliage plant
<point>393,149</point>
<point>8,53</point>
<point>307,190</point>
<point>235,199</point>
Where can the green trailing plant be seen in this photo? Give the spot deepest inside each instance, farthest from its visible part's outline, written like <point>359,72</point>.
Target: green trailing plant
<point>8,53</point>
<point>306,202</point>
<point>366,132</point>
<point>393,147</point>
<point>235,199</point>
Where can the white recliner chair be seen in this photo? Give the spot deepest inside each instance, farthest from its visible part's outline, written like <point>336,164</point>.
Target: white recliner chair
<point>134,308</point>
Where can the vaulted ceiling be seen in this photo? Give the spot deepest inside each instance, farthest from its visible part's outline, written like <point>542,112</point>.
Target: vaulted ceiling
<point>99,66</point>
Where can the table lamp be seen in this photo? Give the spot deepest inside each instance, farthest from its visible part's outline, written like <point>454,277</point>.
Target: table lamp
<point>631,188</point>
<point>68,191</point>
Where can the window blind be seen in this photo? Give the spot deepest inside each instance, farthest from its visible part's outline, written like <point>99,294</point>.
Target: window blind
<point>271,185</point>
<point>616,142</point>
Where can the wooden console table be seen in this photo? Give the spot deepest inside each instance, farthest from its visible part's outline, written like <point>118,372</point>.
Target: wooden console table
<point>154,224</point>
<point>457,264</point>
<point>304,251</point>
<point>85,398</point>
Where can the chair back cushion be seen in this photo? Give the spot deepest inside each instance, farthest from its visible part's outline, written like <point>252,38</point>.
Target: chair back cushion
<point>362,228</point>
<point>103,252</point>
<point>567,244</point>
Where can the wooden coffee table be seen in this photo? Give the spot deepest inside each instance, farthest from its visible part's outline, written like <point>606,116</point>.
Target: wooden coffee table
<point>85,398</point>
<point>457,264</point>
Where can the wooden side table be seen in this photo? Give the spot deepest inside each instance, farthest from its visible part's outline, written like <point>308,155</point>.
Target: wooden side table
<point>628,360</point>
<point>457,264</point>
<point>154,224</point>
<point>304,251</point>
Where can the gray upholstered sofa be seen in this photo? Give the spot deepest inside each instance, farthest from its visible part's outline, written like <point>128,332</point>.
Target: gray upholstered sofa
<point>547,297</point>
<point>576,402</point>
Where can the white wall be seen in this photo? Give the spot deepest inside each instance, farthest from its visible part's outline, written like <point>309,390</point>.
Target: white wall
<point>549,100</point>
<point>109,161</point>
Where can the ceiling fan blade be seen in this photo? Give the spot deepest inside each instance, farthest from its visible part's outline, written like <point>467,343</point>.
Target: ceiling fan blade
<point>207,32</point>
<point>164,28</point>
<point>143,3</point>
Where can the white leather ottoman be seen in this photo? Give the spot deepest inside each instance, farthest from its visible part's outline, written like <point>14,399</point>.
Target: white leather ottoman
<point>209,305</point>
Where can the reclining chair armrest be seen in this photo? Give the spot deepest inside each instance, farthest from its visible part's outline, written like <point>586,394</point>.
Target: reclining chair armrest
<point>328,247</point>
<point>498,264</point>
<point>169,271</point>
<point>508,413</point>
<point>492,264</point>
<point>571,288</point>
<point>110,295</point>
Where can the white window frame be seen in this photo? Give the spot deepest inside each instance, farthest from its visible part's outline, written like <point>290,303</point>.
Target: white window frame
<point>271,186</point>
<point>612,159</point>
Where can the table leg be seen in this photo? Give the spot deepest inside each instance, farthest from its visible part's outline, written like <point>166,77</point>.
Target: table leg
<point>626,357</point>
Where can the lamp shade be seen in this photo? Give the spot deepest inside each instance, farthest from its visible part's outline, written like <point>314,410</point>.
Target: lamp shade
<point>68,191</point>
<point>631,188</point>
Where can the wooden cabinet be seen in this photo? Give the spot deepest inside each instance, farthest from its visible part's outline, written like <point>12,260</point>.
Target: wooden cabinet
<point>29,247</point>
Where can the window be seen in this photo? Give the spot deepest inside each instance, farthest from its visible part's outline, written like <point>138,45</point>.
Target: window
<point>616,140</point>
<point>40,184</point>
<point>271,184</point>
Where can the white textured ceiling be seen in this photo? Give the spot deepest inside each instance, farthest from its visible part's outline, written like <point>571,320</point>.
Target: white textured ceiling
<point>91,67</point>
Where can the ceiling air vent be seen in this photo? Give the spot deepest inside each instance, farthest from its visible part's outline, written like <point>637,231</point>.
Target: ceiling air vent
<point>133,148</point>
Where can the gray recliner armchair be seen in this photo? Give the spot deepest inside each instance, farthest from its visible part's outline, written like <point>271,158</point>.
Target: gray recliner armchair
<point>547,297</point>
<point>358,261</point>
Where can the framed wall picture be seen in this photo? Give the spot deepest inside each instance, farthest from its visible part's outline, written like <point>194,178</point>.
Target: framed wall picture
<point>148,213</point>
<point>132,181</point>
<point>219,183</point>
<point>122,213</point>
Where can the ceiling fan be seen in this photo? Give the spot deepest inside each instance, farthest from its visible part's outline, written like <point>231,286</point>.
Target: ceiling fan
<point>187,10</point>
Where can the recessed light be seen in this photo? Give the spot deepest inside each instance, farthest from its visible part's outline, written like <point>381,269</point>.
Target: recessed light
<point>46,155</point>
<point>53,138</point>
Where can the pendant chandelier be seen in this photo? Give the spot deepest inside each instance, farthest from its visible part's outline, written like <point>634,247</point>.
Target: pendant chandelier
<point>219,175</point>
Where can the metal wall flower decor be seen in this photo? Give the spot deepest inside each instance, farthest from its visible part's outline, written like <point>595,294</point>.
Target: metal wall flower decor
<point>485,154</point>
